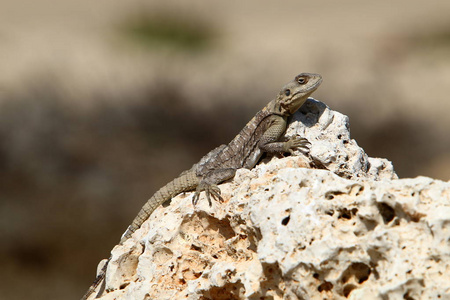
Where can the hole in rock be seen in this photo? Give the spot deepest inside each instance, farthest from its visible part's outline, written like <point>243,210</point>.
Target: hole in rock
<point>387,212</point>
<point>286,220</point>
<point>348,289</point>
<point>332,194</point>
<point>325,286</point>
<point>359,271</point>
<point>357,189</point>
<point>345,213</point>
<point>406,296</point>
<point>123,285</point>
<point>195,247</point>
<point>330,212</point>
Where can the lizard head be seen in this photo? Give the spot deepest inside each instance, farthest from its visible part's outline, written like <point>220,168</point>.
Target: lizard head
<point>295,93</point>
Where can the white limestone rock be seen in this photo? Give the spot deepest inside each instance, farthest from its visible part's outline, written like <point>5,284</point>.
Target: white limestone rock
<point>286,231</point>
<point>332,148</point>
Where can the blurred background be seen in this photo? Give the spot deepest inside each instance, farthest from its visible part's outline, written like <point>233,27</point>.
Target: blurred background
<point>103,102</point>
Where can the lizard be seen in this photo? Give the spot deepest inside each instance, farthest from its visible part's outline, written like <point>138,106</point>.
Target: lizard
<point>262,134</point>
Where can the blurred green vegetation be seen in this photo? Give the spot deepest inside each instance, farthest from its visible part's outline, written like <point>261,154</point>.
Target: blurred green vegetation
<point>434,40</point>
<point>168,32</point>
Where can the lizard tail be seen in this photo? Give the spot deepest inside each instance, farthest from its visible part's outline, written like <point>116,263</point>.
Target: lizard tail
<point>187,181</point>
<point>98,280</point>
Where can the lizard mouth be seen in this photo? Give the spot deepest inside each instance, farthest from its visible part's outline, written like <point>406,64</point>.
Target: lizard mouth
<point>294,104</point>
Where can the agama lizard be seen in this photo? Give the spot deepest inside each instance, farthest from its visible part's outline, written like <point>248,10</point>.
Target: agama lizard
<point>261,135</point>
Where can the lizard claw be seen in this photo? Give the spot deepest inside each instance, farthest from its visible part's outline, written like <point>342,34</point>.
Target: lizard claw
<point>211,190</point>
<point>195,198</point>
<point>298,142</point>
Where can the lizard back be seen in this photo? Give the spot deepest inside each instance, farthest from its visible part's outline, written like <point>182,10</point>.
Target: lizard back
<point>243,150</point>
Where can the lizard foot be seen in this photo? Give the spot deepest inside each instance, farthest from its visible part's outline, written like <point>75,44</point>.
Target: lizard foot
<point>211,190</point>
<point>299,143</point>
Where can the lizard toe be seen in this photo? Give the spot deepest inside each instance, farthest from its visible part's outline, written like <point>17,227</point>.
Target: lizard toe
<point>195,198</point>
<point>211,191</point>
<point>216,193</point>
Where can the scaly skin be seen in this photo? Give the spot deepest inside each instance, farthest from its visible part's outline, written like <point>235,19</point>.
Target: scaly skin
<point>261,135</point>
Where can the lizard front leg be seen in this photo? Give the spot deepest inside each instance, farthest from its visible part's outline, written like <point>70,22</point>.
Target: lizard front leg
<point>269,140</point>
<point>209,182</point>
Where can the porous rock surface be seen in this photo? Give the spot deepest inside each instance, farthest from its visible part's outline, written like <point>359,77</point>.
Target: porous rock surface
<point>334,224</point>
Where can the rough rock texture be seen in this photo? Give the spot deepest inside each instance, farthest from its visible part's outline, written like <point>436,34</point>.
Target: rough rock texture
<point>334,225</point>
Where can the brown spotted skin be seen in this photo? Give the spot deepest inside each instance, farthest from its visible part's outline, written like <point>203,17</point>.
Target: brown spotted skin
<point>261,135</point>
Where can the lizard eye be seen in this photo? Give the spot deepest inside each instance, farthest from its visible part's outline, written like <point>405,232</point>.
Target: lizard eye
<point>287,92</point>
<point>302,80</point>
